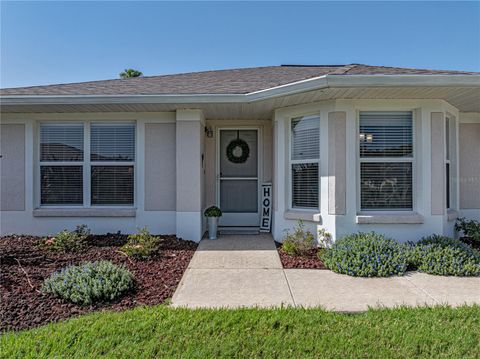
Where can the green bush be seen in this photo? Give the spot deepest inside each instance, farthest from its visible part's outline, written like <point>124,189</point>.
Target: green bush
<point>366,255</point>
<point>470,229</point>
<point>441,255</point>
<point>141,245</point>
<point>212,211</point>
<point>299,242</point>
<point>89,283</point>
<point>67,241</point>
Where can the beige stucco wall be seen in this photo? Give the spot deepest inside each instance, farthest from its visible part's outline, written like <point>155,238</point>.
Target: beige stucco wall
<point>160,167</point>
<point>337,122</point>
<point>188,152</point>
<point>210,152</point>
<point>469,158</point>
<point>12,169</point>
<point>437,162</point>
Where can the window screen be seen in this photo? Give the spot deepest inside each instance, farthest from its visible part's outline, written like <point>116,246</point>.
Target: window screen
<point>386,185</point>
<point>386,160</point>
<point>61,181</point>
<point>386,134</point>
<point>305,185</point>
<point>112,185</point>
<point>61,185</point>
<point>61,142</point>
<point>112,142</point>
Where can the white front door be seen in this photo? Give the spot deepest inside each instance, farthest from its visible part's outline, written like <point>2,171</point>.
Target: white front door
<point>238,177</point>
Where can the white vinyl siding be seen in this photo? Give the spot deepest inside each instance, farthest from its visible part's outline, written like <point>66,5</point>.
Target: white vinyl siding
<point>386,161</point>
<point>304,162</point>
<point>87,164</point>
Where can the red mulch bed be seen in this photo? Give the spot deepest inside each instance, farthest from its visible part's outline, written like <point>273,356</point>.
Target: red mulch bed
<point>25,307</point>
<point>309,260</point>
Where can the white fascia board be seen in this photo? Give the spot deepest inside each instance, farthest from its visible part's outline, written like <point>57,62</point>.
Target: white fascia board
<point>316,83</point>
<point>403,80</point>
<point>116,99</point>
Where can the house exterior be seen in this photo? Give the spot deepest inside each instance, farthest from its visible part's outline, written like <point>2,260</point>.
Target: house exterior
<point>347,148</point>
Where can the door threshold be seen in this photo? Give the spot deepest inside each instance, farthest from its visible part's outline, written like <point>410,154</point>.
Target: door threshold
<point>239,230</point>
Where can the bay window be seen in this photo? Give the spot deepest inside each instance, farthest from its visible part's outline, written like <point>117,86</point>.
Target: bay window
<point>304,161</point>
<point>386,161</point>
<point>77,169</point>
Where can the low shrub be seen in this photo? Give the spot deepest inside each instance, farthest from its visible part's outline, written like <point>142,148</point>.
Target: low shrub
<point>441,255</point>
<point>67,241</point>
<point>89,283</point>
<point>470,229</point>
<point>366,255</point>
<point>299,242</point>
<point>141,245</point>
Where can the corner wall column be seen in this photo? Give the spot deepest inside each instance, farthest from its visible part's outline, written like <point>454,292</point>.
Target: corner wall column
<point>189,182</point>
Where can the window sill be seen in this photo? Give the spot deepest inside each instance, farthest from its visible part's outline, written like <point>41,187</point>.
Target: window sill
<point>452,215</point>
<point>84,212</point>
<point>410,218</point>
<point>302,215</point>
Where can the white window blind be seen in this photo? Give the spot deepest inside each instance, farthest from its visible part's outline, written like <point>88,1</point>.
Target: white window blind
<point>61,164</point>
<point>112,185</point>
<point>61,185</point>
<point>305,146</point>
<point>112,142</point>
<point>112,182</point>
<point>61,142</point>
<point>386,160</point>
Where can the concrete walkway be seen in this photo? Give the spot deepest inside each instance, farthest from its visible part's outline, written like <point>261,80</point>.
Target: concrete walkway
<point>245,270</point>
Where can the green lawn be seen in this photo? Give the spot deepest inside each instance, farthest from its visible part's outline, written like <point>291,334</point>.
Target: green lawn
<point>255,333</point>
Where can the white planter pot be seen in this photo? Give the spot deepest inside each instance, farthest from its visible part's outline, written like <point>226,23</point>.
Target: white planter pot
<point>212,227</point>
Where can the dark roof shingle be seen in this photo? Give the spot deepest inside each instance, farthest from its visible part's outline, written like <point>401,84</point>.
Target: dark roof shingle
<point>235,81</point>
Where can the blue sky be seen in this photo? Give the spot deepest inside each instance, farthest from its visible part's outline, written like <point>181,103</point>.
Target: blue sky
<point>58,42</point>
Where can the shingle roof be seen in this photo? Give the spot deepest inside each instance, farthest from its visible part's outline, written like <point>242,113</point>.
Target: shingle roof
<point>235,81</point>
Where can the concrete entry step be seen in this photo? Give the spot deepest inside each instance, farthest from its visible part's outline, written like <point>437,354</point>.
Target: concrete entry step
<point>237,252</point>
<point>239,230</point>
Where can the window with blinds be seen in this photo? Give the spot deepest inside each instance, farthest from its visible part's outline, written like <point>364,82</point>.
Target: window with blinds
<point>112,142</point>
<point>112,152</point>
<point>61,164</point>
<point>304,161</point>
<point>110,164</point>
<point>386,160</point>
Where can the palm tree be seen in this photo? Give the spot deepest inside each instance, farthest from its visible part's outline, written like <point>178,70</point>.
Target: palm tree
<point>130,73</point>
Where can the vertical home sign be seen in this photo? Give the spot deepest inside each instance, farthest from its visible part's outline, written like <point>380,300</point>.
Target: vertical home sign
<point>266,215</point>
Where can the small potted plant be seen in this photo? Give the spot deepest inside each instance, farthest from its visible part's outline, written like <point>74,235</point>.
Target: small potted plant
<point>212,213</point>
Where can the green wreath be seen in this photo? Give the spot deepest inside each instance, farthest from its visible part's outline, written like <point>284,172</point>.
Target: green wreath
<point>232,146</point>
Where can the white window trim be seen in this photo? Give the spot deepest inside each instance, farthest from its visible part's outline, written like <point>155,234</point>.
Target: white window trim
<point>412,160</point>
<point>448,161</point>
<point>87,166</point>
<point>290,162</point>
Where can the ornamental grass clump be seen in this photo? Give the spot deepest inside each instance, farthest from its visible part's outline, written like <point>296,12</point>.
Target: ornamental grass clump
<point>366,255</point>
<point>441,255</point>
<point>67,241</point>
<point>141,245</point>
<point>299,242</point>
<point>89,283</point>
